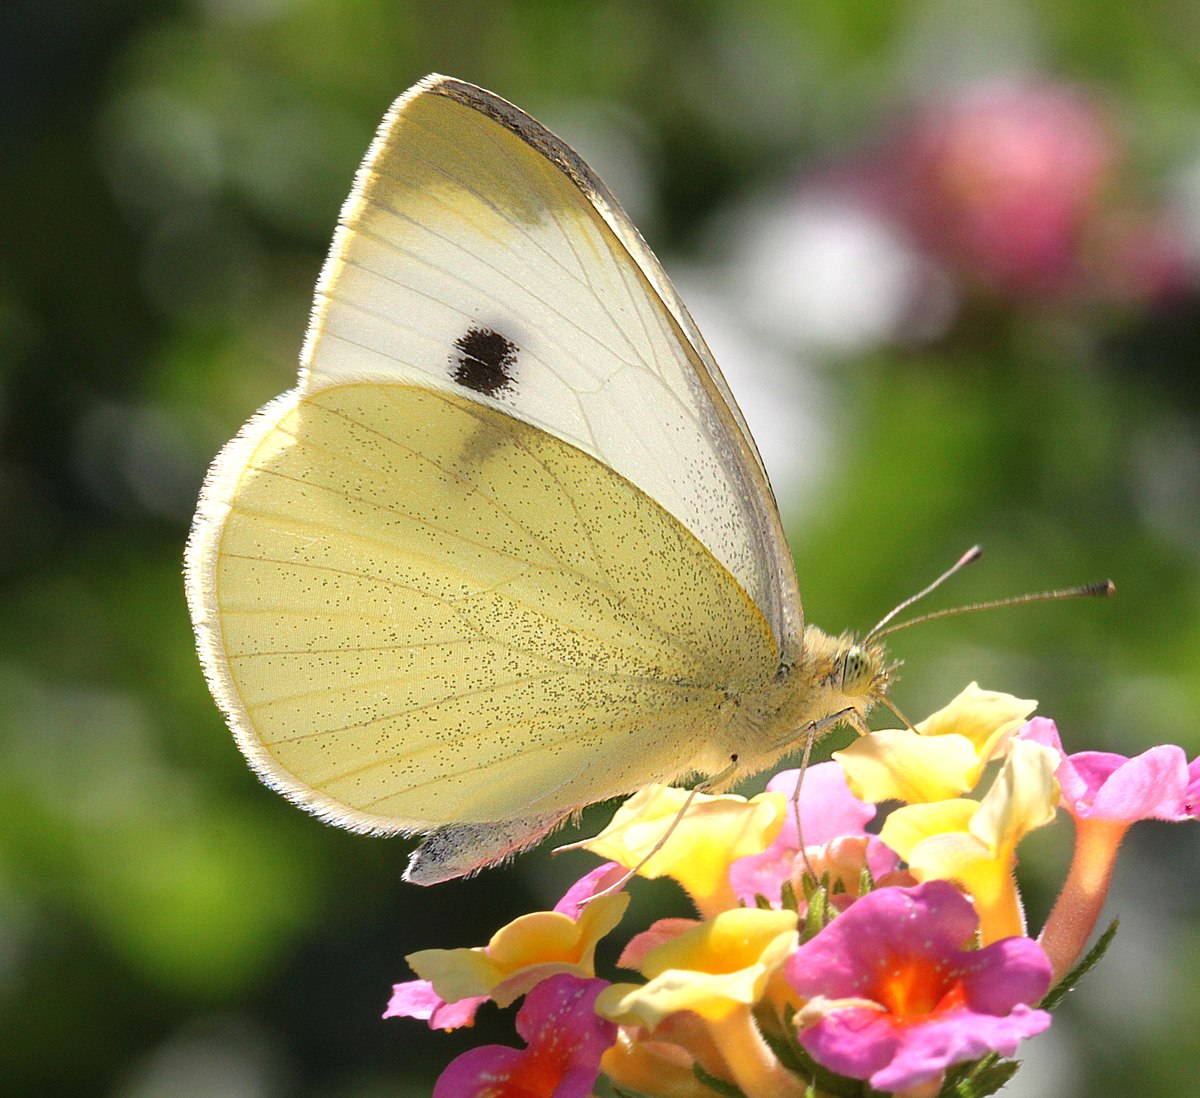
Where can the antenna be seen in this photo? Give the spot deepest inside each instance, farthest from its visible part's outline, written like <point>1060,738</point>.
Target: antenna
<point>1087,590</point>
<point>969,557</point>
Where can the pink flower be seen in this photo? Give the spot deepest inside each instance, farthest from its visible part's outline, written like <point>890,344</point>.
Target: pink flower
<point>895,999</point>
<point>584,890</point>
<point>417,999</point>
<point>564,1038</point>
<point>1191,795</point>
<point>829,815</point>
<point>1101,785</point>
<point>1106,794</point>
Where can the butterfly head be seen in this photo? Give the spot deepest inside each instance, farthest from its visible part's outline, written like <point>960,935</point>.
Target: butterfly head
<point>833,680</point>
<point>844,675</point>
<point>859,669</point>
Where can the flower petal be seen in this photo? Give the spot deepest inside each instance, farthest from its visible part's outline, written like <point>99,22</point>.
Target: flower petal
<point>912,824</point>
<point>829,813</point>
<point>417,999</point>
<point>987,878</point>
<point>900,765</point>
<point>985,717</point>
<point>634,954</point>
<point>652,1066</point>
<point>1022,797</point>
<point>828,810</point>
<point>1152,785</point>
<point>711,969</point>
<point>576,898</point>
<point>521,954</point>
<point>711,833</point>
<point>865,1045</point>
<point>566,1040</point>
<point>943,757</point>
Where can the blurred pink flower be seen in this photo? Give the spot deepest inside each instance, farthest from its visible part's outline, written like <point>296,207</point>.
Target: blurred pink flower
<point>1003,180</point>
<point>1022,188</point>
<point>1144,256</point>
<point>895,998</point>
<point>565,1040</point>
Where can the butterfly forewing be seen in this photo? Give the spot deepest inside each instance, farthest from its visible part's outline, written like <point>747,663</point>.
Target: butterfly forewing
<point>477,253</point>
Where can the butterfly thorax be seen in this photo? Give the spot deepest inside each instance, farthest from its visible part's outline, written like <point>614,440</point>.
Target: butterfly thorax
<point>834,680</point>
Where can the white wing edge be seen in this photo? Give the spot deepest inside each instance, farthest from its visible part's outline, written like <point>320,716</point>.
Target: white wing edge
<point>200,584</point>
<point>789,612</point>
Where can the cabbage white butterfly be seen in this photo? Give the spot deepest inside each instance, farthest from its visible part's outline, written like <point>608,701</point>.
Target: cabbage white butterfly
<point>508,548</point>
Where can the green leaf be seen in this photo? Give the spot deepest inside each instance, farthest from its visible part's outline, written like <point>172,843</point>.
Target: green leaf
<point>979,1079</point>
<point>1059,992</point>
<point>624,1092</point>
<point>818,915</point>
<point>787,896</point>
<point>718,1086</point>
<point>787,1049</point>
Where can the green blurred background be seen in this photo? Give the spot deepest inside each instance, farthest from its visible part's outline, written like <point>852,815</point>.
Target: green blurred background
<point>947,253</point>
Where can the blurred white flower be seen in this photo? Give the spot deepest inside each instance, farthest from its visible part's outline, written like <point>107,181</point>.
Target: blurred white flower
<point>826,272</point>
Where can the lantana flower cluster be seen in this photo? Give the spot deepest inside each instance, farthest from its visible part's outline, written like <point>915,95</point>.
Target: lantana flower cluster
<point>821,957</point>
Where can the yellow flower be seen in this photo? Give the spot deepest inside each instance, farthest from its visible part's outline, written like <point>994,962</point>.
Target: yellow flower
<point>711,969</point>
<point>662,1064</point>
<point>717,971</point>
<point>712,834</point>
<point>973,843</point>
<point>521,954</point>
<point>943,758</point>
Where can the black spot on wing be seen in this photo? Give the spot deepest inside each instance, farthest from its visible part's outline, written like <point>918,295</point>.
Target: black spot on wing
<point>484,361</point>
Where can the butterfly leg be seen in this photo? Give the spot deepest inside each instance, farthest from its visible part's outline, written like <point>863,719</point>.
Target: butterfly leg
<point>721,780</point>
<point>810,733</point>
<point>724,776</point>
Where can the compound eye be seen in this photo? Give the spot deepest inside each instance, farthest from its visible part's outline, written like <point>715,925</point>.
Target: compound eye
<point>858,671</point>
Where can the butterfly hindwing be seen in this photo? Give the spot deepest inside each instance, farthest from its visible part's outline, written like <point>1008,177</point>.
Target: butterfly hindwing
<point>430,611</point>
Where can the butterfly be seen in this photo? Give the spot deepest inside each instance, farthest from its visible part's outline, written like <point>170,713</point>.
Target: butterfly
<point>508,548</point>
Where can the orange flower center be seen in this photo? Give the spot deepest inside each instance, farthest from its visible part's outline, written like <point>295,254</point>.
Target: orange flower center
<point>537,1074</point>
<point>916,987</point>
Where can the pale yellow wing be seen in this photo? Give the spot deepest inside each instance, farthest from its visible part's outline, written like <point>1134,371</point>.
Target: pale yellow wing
<point>417,610</point>
<point>508,549</point>
<point>478,254</point>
